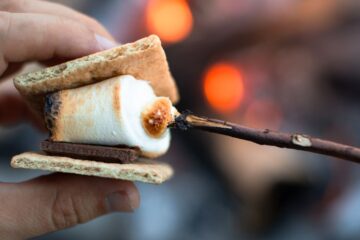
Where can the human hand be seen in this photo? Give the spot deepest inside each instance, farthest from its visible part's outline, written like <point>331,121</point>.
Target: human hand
<point>33,30</point>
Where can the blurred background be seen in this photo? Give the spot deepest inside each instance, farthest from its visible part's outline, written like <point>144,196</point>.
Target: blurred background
<point>289,65</point>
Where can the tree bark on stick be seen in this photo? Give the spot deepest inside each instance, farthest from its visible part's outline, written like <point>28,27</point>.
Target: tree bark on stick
<point>303,142</point>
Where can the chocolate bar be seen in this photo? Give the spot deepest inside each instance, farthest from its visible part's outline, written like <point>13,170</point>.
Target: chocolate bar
<point>115,154</point>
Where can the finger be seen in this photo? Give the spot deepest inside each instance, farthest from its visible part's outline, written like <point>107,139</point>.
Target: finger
<point>27,36</point>
<point>44,7</point>
<point>58,201</point>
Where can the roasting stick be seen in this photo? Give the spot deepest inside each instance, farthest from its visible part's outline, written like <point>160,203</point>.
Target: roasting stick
<point>187,120</point>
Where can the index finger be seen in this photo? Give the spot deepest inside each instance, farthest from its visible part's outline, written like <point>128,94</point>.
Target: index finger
<point>56,9</point>
<point>28,36</point>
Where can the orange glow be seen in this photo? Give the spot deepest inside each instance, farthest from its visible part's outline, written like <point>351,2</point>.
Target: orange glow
<point>224,87</point>
<point>263,114</point>
<point>170,19</point>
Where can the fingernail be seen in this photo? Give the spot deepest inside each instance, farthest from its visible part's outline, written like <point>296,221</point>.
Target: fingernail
<point>105,43</point>
<point>122,202</point>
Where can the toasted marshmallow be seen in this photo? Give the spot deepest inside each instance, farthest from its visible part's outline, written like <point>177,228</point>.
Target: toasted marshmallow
<point>117,111</point>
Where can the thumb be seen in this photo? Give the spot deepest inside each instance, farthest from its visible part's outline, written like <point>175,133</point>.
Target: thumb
<point>58,201</point>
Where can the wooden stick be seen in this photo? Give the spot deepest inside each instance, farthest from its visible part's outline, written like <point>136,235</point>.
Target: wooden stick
<point>186,120</point>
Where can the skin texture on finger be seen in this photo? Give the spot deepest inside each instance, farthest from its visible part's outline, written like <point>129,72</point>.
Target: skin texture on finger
<point>44,7</point>
<point>27,36</point>
<point>58,201</point>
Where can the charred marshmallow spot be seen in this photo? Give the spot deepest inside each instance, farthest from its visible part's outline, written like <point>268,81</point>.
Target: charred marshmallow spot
<point>156,117</point>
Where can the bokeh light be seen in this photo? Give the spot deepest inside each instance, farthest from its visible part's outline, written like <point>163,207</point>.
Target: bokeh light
<point>224,87</point>
<point>171,20</point>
